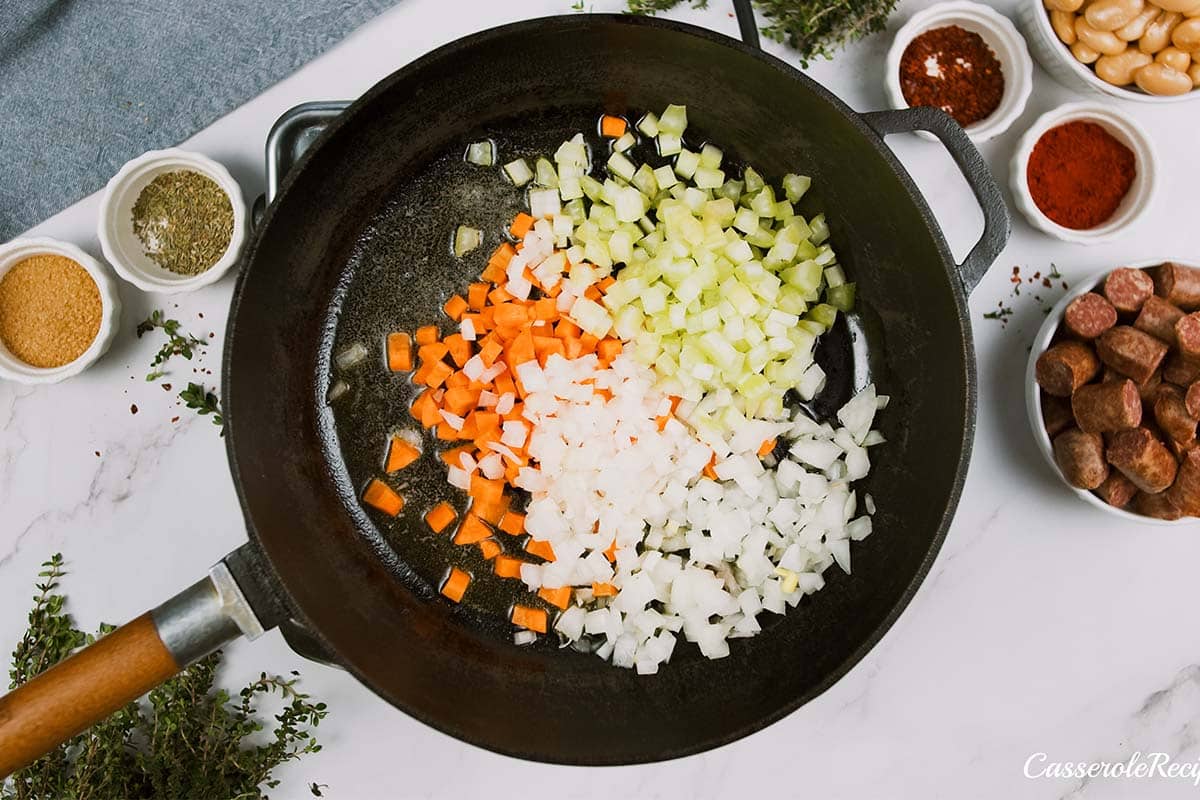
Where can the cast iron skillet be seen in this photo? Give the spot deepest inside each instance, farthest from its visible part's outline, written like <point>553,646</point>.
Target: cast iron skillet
<point>356,244</point>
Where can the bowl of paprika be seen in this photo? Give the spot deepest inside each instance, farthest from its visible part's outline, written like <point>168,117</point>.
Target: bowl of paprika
<point>966,59</point>
<point>1083,173</point>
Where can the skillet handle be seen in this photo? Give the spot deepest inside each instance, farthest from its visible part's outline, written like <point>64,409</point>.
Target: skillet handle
<point>997,224</point>
<point>119,668</point>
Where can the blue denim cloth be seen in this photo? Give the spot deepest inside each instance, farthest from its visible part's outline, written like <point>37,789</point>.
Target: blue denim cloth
<point>85,85</point>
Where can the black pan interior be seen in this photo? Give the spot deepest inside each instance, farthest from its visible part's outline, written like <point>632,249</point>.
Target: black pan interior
<point>358,244</point>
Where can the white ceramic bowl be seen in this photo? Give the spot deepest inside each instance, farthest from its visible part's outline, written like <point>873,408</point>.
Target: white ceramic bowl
<point>1126,131</point>
<point>18,250</point>
<point>999,34</point>
<point>1033,394</point>
<point>1055,57</point>
<point>121,245</point>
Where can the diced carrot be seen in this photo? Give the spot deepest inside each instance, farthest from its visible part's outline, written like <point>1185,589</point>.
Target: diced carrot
<point>520,350</point>
<point>521,225</point>
<point>383,498</point>
<point>606,284</point>
<point>545,309</point>
<point>469,429</point>
<point>572,348</point>
<point>709,471</point>
<point>485,490</point>
<point>592,293</point>
<point>767,447</point>
<point>486,420</point>
<point>446,433</point>
<point>492,512</point>
<point>399,455</point>
<point>611,552</point>
<point>508,566</point>
<point>518,411</point>
<point>432,352</point>
<point>472,530</point>
<point>612,127</point>
<point>490,548</point>
<point>399,352</point>
<point>559,598</point>
<point>608,350</point>
<point>499,295</point>
<point>490,352</point>
<point>589,342</point>
<point>455,307</point>
<point>565,329</point>
<point>456,584</point>
<point>603,589</point>
<point>459,348</point>
<point>540,549</point>
<point>510,314</point>
<point>533,619</point>
<point>513,523</point>
<point>453,456</point>
<point>477,296</point>
<point>438,373</point>
<point>440,517</point>
<point>427,334</point>
<point>504,383</point>
<point>460,400</point>
<point>425,410</point>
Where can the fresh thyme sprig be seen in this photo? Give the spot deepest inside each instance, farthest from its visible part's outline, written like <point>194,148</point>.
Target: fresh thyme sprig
<point>177,344</point>
<point>186,739</point>
<point>204,402</point>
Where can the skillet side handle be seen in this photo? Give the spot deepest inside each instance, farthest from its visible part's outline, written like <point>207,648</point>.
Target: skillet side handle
<point>997,224</point>
<point>119,668</point>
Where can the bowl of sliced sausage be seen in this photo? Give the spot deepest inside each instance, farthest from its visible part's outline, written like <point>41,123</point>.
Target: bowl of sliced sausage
<point>1113,391</point>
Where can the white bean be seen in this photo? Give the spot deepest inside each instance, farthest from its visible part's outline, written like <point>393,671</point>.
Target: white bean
<point>1108,15</point>
<point>1119,69</point>
<point>1162,80</point>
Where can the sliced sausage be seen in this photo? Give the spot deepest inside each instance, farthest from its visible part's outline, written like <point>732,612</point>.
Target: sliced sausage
<point>1187,336</point>
<point>1056,414</point>
<point>1158,506</point>
<point>1179,285</point>
<point>1102,407</point>
<point>1192,399</point>
<point>1143,459</point>
<point>1127,288</point>
<point>1117,490</point>
<point>1184,493</point>
<point>1080,456</point>
<point>1171,414</point>
<point>1158,318</point>
<point>1065,367</point>
<point>1089,315</point>
<point>1131,352</point>
<point>1145,390</point>
<point>1180,371</point>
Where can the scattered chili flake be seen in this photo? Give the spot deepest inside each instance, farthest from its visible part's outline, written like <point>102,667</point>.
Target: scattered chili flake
<point>133,408</point>
<point>97,454</point>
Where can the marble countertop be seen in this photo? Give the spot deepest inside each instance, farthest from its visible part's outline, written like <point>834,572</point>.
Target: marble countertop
<point>1045,626</point>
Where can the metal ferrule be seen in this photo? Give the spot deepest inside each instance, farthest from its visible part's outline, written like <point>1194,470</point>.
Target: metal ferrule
<point>205,616</point>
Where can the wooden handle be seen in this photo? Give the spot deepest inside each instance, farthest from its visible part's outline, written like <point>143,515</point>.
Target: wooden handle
<point>80,691</point>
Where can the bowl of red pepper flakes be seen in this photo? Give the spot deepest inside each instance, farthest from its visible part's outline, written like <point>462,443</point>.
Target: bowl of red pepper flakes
<point>1084,173</point>
<point>966,59</point>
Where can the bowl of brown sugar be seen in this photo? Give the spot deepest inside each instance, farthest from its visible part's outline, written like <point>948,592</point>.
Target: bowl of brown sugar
<point>58,310</point>
<point>172,221</point>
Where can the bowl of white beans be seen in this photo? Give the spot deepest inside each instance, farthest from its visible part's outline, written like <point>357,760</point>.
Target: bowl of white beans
<point>1142,50</point>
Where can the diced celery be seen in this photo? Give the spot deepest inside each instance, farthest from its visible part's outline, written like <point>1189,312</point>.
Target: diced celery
<point>621,166</point>
<point>626,141</point>
<point>673,120</point>
<point>466,239</point>
<point>665,177</point>
<point>544,173</point>
<point>686,163</point>
<point>794,186</point>
<point>669,144</point>
<point>630,204</point>
<point>481,153</point>
<point>644,180</point>
<point>710,156</point>
<point>753,180</point>
<point>823,314</point>
<point>570,188</point>
<point>649,124</point>
<point>591,187</point>
<point>518,172</point>
<point>834,276</point>
<point>745,220</point>
<point>620,247</point>
<point>706,178</point>
<point>732,189</point>
<point>820,229</point>
<point>841,297</point>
